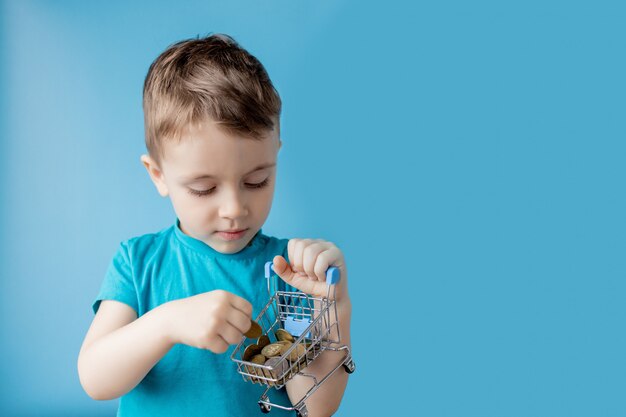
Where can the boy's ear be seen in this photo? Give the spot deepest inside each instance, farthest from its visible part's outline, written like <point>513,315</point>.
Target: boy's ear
<point>156,175</point>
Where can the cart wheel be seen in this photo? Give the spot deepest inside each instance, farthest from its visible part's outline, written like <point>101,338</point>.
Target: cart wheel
<point>264,408</point>
<point>349,366</point>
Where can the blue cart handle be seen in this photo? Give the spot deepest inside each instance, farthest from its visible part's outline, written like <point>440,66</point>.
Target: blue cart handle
<point>332,273</point>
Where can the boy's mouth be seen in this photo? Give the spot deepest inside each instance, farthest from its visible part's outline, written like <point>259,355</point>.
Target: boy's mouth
<point>231,234</point>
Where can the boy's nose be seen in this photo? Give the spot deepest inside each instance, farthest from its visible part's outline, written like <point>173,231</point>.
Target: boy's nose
<point>233,206</point>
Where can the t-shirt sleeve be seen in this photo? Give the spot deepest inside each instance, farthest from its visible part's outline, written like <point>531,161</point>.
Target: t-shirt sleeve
<point>118,283</point>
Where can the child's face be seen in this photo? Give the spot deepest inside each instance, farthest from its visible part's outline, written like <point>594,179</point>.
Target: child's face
<point>214,184</point>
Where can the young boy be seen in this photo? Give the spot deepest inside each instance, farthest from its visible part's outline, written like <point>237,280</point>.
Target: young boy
<point>174,304</point>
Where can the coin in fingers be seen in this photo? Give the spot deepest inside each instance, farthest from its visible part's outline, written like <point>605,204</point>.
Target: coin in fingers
<point>255,330</point>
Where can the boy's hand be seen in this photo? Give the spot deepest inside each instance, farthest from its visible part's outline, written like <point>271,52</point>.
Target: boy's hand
<point>310,258</point>
<point>212,320</point>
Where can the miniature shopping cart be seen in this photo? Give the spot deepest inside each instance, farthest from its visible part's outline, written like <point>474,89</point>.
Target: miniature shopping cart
<point>313,324</point>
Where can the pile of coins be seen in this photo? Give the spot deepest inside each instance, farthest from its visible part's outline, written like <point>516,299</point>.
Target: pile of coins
<point>269,354</point>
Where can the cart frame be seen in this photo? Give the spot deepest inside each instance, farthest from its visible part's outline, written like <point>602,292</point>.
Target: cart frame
<point>314,324</point>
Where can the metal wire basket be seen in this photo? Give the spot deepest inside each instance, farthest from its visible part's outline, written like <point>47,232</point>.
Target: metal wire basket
<point>314,326</point>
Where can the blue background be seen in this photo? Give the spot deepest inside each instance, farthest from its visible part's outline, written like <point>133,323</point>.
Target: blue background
<point>468,157</point>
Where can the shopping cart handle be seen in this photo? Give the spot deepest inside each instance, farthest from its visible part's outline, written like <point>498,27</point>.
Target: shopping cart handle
<point>332,273</point>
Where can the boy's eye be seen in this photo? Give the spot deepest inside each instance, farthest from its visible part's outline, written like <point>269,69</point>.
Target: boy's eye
<point>200,193</point>
<point>207,192</point>
<point>258,184</point>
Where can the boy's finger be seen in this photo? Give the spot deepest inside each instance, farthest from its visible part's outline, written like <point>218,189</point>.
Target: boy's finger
<point>231,334</point>
<point>240,320</point>
<point>241,304</point>
<point>302,283</point>
<point>282,268</point>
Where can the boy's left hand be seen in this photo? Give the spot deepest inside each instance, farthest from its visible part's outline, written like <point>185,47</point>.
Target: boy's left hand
<point>310,258</point>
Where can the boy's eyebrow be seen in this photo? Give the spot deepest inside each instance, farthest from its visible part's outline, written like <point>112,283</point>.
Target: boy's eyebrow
<point>262,166</point>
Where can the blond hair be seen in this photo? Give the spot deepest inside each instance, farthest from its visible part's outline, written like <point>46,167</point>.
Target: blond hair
<point>211,77</point>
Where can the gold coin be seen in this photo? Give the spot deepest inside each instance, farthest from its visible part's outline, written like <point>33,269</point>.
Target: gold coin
<point>258,359</point>
<point>297,352</point>
<point>263,341</point>
<point>282,334</point>
<point>250,351</point>
<point>251,370</point>
<point>274,349</point>
<point>286,345</point>
<point>255,330</point>
<point>304,361</point>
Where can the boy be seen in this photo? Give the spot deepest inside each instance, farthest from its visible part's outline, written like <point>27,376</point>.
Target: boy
<point>174,303</point>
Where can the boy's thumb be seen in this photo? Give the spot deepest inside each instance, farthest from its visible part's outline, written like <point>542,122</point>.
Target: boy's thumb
<point>282,268</point>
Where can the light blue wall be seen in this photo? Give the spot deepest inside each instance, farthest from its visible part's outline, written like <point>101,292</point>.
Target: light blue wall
<point>467,156</point>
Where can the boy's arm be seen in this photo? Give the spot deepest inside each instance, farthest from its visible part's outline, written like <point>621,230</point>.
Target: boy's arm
<point>326,399</point>
<point>119,349</point>
<point>310,259</point>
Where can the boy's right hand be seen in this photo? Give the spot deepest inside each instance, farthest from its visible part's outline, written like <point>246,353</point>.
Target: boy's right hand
<point>212,320</point>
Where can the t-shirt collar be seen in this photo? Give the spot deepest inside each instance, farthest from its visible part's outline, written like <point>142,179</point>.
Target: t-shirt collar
<point>254,246</point>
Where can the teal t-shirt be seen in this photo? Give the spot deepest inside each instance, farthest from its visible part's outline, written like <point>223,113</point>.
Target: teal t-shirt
<point>152,269</point>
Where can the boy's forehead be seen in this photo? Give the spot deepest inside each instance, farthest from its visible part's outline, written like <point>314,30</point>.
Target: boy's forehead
<point>209,152</point>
